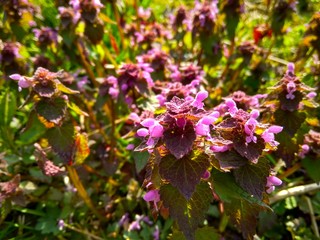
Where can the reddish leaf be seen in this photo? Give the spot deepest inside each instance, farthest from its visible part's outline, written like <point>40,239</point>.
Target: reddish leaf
<point>253,177</point>
<point>251,151</point>
<point>178,140</point>
<point>230,160</point>
<point>184,173</point>
<point>188,213</point>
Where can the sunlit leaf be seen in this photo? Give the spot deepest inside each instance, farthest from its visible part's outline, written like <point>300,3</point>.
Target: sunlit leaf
<point>81,148</point>
<point>188,213</point>
<point>184,173</point>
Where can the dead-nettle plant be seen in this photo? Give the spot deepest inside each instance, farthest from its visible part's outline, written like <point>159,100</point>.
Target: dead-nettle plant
<point>52,108</point>
<point>198,156</point>
<point>289,104</point>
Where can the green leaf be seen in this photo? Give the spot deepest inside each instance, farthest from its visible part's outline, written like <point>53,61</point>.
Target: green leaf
<point>77,110</point>
<point>184,173</point>
<point>51,110</point>
<point>228,190</point>
<point>188,213</point>
<point>5,210</point>
<point>244,215</point>
<point>253,177</point>
<point>33,131</point>
<point>205,233</point>
<point>242,207</point>
<point>312,166</point>
<point>62,141</point>
<point>291,121</point>
<point>65,89</point>
<point>8,106</point>
<point>140,160</point>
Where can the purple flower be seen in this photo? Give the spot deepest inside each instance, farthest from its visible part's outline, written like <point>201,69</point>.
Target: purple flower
<point>272,181</point>
<point>203,125</point>
<point>249,128</point>
<point>152,128</point>
<point>304,150</point>
<point>61,224</point>
<point>152,196</point>
<point>220,148</point>
<point>311,95</point>
<point>291,88</point>
<point>290,70</point>
<point>232,107</point>
<point>268,134</point>
<point>23,82</point>
<point>200,97</point>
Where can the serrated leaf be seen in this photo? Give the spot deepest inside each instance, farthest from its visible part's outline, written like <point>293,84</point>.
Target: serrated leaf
<point>178,140</point>
<point>291,121</point>
<point>81,148</point>
<point>62,140</point>
<point>227,189</point>
<point>242,207</point>
<point>230,160</point>
<point>244,215</point>
<point>45,90</point>
<point>252,151</point>
<point>52,110</point>
<point>8,106</point>
<point>188,213</point>
<point>61,87</point>
<point>253,177</point>
<point>77,110</point>
<point>184,173</point>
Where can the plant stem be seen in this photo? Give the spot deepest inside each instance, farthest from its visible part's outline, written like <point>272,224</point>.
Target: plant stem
<point>313,219</point>
<point>82,192</point>
<point>82,231</point>
<point>294,191</point>
<point>85,64</point>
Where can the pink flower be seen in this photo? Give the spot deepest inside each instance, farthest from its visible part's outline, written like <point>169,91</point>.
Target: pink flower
<point>203,125</point>
<point>268,134</point>
<point>290,68</point>
<point>22,81</point>
<point>249,128</point>
<point>272,181</point>
<point>152,196</point>
<point>232,107</point>
<point>291,88</point>
<point>200,97</point>
<point>152,128</point>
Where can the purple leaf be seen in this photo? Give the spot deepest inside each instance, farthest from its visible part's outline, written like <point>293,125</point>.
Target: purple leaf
<point>178,140</point>
<point>184,173</point>
<point>253,178</point>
